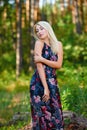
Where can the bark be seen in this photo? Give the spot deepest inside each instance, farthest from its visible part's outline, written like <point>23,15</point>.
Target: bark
<point>75,17</point>
<point>19,39</point>
<point>78,23</point>
<point>36,10</point>
<point>31,14</point>
<point>81,12</point>
<point>43,12</point>
<point>27,9</point>
<point>85,15</point>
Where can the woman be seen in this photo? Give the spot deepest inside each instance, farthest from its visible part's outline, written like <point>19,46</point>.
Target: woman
<point>44,92</point>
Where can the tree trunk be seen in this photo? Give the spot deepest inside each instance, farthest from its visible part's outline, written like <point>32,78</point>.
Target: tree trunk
<point>36,10</point>
<point>62,7</point>
<point>43,12</point>
<point>19,39</point>
<point>27,10</point>
<point>85,15</point>
<point>82,13</point>
<point>78,24</point>
<point>31,14</point>
<point>75,17</point>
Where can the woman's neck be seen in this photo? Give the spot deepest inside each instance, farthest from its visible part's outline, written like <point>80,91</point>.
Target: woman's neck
<point>47,41</point>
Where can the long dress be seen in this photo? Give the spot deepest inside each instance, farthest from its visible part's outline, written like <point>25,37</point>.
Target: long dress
<point>46,115</point>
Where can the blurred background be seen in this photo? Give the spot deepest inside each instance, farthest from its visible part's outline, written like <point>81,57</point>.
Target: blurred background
<point>69,21</point>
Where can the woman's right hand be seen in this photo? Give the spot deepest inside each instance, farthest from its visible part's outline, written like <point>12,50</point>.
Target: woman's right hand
<point>46,95</point>
<point>38,58</point>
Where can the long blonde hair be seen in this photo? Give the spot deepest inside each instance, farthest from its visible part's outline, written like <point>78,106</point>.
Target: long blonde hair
<point>52,37</point>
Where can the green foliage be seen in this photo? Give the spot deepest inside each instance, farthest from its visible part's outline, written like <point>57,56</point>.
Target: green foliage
<point>73,90</point>
<point>17,126</point>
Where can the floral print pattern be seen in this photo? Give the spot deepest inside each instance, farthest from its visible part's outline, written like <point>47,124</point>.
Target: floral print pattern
<point>46,115</point>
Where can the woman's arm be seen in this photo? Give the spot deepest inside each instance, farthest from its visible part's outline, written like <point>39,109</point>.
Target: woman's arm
<point>54,64</point>
<point>38,50</point>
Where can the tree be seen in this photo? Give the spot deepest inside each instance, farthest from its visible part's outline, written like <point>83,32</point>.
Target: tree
<point>19,39</point>
<point>76,17</point>
<point>31,14</point>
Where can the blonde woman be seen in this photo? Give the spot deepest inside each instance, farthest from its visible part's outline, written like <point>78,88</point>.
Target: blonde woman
<point>46,107</point>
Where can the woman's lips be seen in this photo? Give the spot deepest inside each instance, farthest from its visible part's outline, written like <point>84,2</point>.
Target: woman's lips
<point>40,35</point>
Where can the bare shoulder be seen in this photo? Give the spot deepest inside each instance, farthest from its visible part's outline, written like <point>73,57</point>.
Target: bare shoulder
<point>60,44</point>
<point>38,47</point>
<point>60,48</point>
<point>38,44</point>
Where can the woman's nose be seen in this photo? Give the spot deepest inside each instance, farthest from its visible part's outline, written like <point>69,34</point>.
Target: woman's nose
<point>39,32</point>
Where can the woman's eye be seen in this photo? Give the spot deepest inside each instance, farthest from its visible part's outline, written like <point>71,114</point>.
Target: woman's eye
<point>41,28</point>
<point>36,31</point>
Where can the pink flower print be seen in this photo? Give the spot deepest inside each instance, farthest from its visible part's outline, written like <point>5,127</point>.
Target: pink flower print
<point>37,99</point>
<point>34,124</point>
<point>46,47</point>
<point>48,71</point>
<point>35,117</point>
<point>55,102</point>
<point>33,87</point>
<point>43,108</point>
<point>48,115</point>
<point>37,79</point>
<point>42,119</point>
<point>57,121</point>
<point>52,81</point>
<point>53,58</point>
<point>46,52</point>
<point>48,128</point>
<point>50,124</point>
<point>53,72</point>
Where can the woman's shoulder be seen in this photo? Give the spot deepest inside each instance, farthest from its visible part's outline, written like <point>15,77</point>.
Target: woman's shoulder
<point>59,43</point>
<point>38,47</point>
<point>38,43</point>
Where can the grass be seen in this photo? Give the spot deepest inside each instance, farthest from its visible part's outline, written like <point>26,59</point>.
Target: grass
<point>11,103</point>
<point>14,98</point>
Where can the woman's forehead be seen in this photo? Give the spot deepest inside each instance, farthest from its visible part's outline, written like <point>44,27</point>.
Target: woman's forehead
<point>38,26</point>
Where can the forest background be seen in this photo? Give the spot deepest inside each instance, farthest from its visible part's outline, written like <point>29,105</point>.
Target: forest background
<point>69,21</point>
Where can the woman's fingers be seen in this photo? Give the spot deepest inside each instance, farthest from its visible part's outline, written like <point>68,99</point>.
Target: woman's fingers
<point>35,58</point>
<point>37,54</point>
<point>45,98</point>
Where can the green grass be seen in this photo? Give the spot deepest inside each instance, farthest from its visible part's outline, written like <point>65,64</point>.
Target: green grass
<point>14,98</point>
<point>11,103</point>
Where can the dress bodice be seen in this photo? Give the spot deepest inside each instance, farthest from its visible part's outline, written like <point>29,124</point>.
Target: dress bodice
<point>48,54</point>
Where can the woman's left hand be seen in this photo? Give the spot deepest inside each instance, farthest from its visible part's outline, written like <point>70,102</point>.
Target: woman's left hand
<point>37,58</point>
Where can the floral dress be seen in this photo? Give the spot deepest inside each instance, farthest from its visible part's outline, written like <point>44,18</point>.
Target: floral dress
<point>46,115</point>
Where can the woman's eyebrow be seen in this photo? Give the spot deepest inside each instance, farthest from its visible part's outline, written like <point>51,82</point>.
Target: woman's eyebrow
<point>37,29</point>
<point>41,27</point>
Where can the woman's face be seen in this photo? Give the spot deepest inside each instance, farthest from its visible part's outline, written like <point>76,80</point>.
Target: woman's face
<point>41,32</point>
